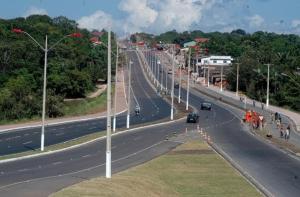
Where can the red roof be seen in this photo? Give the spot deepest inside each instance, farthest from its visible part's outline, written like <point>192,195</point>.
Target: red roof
<point>201,40</point>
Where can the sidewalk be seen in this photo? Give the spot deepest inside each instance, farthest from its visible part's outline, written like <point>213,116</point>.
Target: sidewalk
<point>121,107</point>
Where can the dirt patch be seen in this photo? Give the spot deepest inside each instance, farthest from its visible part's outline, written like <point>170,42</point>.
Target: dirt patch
<point>191,152</point>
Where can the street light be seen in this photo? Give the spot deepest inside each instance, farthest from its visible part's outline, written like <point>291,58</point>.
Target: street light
<point>108,115</point>
<point>172,93</point>
<point>188,80</point>
<point>237,79</point>
<point>129,87</point>
<point>46,50</point>
<point>179,91</point>
<point>115,99</point>
<point>268,85</point>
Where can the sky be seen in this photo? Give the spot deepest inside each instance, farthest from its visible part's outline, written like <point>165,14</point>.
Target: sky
<point>158,16</point>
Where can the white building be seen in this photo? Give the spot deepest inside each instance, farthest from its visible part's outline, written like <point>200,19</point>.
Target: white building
<point>215,61</point>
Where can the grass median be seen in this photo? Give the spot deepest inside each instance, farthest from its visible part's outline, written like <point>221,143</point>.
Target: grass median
<point>192,169</point>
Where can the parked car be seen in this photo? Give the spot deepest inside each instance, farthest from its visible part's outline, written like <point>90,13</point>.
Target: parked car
<point>176,85</point>
<point>170,71</point>
<point>205,106</point>
<point>192,117</point>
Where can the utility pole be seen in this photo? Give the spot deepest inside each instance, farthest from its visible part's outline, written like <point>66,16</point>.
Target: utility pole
<point>268,85</point>
<point>108,118</point>
<point>44,95</point>
<point>172,93</point>
<point>179,91</point>
<point>188,81</point>
<point>129,87</point>
<point>221,78</point>
<point>237,79</point>
<point>207,75</point>
<point>115,99</point>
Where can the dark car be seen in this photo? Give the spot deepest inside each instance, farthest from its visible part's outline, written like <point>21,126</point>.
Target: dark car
<point>176,85</point>
<point>192,117</point>
<point>205,106</point>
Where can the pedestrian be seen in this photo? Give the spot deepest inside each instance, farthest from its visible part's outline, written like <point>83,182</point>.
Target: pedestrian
<point>281,131</point>
<point>287,134</point>
<point>253,103</point>
<point>272,117</point>
<point>278,124</point>
<point>279,118</point>
<point>276,115</point>
<point>262,106</point>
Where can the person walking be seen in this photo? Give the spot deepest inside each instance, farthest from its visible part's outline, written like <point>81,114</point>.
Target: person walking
<point>272,117</point>
<point>287,133</point>
<point>253,103</point>
<point>262,106</point>
<point>281,131</point>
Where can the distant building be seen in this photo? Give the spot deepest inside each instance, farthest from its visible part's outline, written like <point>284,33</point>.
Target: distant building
<point>215,61</point>
<point>189,44</point>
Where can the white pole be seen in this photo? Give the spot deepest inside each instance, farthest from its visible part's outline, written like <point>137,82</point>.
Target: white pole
<point>115,99</point>
<point>179,91</point>
<point>129,87</point>
<point>207,75</point>
<point>172,93</point>
<point>237,79</point>
<point>166,71</point>
<point>44,96</point>
<point>108,115</point>
<point>221,78</point>
<point>204,74</point>
<point>268,85</point>
<point>188,82</point>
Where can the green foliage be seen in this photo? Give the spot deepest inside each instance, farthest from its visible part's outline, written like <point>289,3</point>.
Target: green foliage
<point>74,65</point>
<point>252,52</point>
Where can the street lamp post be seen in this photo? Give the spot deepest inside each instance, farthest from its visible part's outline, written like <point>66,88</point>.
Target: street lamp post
<point>46,49</point>
<point>129,103</point>
<point>208,75</point>
<point>221,78</point>
<point>237,79</point>
<point>108,118</point>
<point>115,99</point>
<point>172,88</point>
<point>188,82</point>
<point>179,91</point>
<point>268,85</point>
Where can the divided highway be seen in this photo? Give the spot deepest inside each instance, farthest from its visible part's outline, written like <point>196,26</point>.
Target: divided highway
<point>273,169</point>
<point>152,108</point>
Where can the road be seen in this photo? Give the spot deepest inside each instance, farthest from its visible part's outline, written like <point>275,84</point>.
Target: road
<point>272,168</point>
<point>152,108</point>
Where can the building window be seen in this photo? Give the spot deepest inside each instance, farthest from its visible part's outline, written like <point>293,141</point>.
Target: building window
<point>225,61</point>
<point>215,61</point>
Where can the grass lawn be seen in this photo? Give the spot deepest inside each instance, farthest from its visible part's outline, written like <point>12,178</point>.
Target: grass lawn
<point>192,169</point>
<point>85,106</point>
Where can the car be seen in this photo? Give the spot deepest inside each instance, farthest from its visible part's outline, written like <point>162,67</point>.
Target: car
<point>170,71</point>
<point>205,106</point>
<point>176,85</point>
<point>192,117</point>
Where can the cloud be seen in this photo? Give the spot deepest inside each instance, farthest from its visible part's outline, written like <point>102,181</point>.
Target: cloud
<point>98,20</point>
<point>296,23</point>
<point>256,21</point>
<point>35,11</point>
<point>140,14</point>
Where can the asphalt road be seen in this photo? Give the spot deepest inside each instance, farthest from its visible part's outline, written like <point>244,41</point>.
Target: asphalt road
<point>152,108</point>
<point>277,171</point>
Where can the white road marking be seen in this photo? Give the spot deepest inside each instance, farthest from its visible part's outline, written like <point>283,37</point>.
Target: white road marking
<point>88,155</point>
<point>56,163</point>
<point>27,142</point>
<point>58,134</point>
